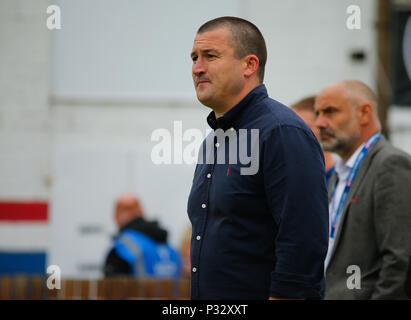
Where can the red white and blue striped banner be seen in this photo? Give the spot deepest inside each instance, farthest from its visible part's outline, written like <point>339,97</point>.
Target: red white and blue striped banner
<point>23,237</point>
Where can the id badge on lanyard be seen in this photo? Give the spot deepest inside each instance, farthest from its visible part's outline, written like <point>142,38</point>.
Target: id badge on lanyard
<point>353,172</point>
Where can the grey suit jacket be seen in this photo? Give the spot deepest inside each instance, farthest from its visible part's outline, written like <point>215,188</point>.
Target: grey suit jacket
<point>375,229</point>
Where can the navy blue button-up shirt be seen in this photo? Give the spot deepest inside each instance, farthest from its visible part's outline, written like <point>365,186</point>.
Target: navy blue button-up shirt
<point>261,232</point>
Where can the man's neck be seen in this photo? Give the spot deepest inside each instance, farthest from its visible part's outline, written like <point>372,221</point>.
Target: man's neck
<point>346,155</point>
<point>220,111</point>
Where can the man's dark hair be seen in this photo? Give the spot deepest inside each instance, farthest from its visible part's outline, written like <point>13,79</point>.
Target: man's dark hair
<point>245,36</point>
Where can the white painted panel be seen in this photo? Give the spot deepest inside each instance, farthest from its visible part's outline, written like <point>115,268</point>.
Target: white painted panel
<point>309,45</point>
<point>88,176</point>
<point>23,236</point>
<point>86,182</point>
<point>24,165</point>
<point>129,47</point>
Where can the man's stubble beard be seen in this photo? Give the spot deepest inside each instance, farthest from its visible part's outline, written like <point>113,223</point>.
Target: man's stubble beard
<point>343,143</point>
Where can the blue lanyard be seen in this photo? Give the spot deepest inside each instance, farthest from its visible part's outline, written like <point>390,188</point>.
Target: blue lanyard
<point>353,172</point>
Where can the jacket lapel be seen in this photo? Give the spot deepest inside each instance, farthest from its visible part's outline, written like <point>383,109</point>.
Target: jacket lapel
<point>359,178</point>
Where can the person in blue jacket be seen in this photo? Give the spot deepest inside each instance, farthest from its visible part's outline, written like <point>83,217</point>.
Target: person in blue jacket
<point>140,249</point>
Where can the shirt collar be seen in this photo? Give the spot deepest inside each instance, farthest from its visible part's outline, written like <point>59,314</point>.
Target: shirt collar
<point>341,166</point>
<point>231,117</point>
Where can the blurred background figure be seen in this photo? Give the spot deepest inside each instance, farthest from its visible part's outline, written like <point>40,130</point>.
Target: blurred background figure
<point>140,249</point>
<point>305,109</point>
<point>185,252</point>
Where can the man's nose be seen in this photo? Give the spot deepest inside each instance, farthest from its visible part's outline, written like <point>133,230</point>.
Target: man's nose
<point>199,67</point>
<point>320,122</point>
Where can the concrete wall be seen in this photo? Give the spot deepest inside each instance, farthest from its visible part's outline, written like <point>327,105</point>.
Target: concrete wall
<point>24,120</point>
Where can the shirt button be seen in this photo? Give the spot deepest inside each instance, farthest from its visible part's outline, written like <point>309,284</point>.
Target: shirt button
<point>209,175</point>
<point>203,205</point>
<point>198,237</point>
<point>194,269</point>
<point>217,145</point>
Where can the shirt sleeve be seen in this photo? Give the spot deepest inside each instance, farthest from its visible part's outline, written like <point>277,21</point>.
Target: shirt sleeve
<point>294,181</point>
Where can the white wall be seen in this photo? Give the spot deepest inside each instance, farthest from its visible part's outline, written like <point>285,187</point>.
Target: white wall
<point>399,122</point>
<point>129,48</point>
<point>107,150</point>
<point>309,45</point>
<point>24,110</point>
<point>24,118</point>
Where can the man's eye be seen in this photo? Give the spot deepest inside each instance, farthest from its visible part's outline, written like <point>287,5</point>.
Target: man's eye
<point>194,58</point>
<point>329,110</point>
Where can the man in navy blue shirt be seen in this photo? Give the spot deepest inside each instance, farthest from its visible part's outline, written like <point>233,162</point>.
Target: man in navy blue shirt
<point>258,203</point>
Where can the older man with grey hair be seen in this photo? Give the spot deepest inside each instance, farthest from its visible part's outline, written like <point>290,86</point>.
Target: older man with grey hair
<point>370,203</point>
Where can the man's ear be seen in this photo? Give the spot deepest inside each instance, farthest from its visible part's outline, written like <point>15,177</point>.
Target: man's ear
<point>364,114</point>
<point>251,65</point>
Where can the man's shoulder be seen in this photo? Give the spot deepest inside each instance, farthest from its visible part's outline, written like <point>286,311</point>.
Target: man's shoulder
<point>274,114</point>
<point>149,229</point>
<point>389,156</point>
